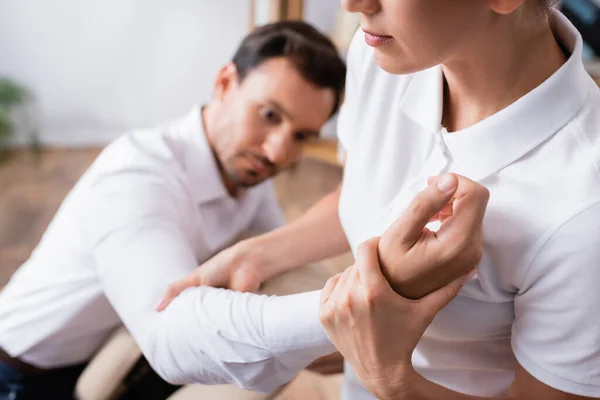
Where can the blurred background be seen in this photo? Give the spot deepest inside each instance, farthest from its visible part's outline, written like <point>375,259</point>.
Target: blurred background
<point>96,69</point>
<point>99,68</point>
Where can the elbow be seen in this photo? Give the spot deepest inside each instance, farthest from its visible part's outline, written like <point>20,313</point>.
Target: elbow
<point>194,366</point>
<point>262,378</point>
<point>167,375</point>
<point>160,356</point>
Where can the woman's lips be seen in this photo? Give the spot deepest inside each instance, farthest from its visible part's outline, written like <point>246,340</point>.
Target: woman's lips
<point>375,40</point>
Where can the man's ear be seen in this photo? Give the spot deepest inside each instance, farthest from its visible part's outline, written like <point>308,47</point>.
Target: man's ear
<point>227,79</point>
<point>505,6</point>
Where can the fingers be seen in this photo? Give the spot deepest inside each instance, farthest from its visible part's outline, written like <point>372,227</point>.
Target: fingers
<point>331,294</point>
<point>175,290</point>
<point>367,263</point>
<point>328,289</point>
<point>470,202</point>
<point>341,285</point>
<point>444,213</point>
<point>342,289</point>
<point>438,299</point>
<point>408,228</point>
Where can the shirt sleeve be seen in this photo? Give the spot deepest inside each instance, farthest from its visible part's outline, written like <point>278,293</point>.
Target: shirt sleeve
<point>268,215</point>
<point>556,333</point>
<point>206,335</point>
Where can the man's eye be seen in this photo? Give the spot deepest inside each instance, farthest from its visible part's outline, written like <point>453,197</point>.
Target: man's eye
<point>269,115</point>
<point>301,136</point>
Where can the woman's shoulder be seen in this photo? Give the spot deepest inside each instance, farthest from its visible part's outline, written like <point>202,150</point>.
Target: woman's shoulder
<point>586,124</point>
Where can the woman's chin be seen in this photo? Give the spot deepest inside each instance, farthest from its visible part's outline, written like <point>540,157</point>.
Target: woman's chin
<point>398,64</point>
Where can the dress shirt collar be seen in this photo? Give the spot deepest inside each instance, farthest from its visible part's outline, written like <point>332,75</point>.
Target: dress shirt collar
<point>199,160</point>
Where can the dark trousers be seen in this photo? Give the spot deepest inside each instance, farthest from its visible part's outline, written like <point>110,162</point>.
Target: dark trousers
<point>142,383</point>
<point>56,384</point>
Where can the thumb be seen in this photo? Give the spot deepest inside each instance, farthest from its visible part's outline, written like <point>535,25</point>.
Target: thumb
<point>176,288</point>
<point>408,228</point>
<point>435,301</point>
<point>244,281</point>
<point>367,263</point>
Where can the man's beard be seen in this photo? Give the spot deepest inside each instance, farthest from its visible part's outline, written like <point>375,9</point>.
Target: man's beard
<point>246,181</point>
<point>243,179</point>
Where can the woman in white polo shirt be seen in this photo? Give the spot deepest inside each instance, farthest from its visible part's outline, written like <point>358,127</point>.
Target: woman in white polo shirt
<point>494,90</point>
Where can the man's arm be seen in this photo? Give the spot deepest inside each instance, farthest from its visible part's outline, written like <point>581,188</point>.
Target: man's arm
<point>207,335</point>
<point>316,235</point>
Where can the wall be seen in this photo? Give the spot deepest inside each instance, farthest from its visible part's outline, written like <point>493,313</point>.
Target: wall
<point>322,13</point>
<point>101,67</point>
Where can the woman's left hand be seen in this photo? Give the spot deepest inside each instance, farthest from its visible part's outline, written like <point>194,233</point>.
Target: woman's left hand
<point>375,329</point>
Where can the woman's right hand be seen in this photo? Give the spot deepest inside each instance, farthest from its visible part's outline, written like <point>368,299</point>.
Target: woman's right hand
<point>417,262</point>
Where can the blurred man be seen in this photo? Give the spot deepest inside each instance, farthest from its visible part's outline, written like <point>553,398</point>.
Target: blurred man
<point>156,204</point>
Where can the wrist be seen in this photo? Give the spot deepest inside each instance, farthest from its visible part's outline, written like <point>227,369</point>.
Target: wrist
<point>261,254</point>
<point>403,388</point>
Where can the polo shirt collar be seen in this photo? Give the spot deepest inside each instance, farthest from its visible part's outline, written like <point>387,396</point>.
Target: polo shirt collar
<point>499,140</point>
<point>423,99</point>
<point>199,160</point>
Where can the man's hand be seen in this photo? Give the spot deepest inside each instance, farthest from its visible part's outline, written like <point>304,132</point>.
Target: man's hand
<point>237,268</point>
<point>316,235</point>
<point>417,261</point>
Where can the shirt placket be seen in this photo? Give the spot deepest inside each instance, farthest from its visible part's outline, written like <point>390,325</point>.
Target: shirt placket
<point>217,223</point>
<point>437,164</point>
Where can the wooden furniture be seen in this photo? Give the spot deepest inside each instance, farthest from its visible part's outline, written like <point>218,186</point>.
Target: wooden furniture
<point>277,10</point>
<point>325,150</point>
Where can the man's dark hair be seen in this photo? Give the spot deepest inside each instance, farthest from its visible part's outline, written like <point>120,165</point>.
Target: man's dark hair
<point>313,55</point>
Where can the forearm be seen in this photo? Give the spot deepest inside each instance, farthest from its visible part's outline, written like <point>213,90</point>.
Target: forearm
<point>315,236</point>
<point>206,335</point>
<point>255,342</point>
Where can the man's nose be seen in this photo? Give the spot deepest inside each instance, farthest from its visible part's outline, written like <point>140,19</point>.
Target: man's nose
<point>277,148</point>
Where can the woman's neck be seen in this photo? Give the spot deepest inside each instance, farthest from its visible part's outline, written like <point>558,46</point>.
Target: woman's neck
<point>497,69</point>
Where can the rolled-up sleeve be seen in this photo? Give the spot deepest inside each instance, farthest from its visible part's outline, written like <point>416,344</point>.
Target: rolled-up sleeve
<point>206,335</point>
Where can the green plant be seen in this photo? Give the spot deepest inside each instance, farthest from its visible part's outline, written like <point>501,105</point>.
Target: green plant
<point>11,95</point>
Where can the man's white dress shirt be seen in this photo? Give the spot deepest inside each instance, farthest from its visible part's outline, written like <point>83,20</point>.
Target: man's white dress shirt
<point>150,209</point>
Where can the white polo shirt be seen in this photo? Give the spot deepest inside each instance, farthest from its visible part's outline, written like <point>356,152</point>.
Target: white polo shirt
<point>537,293</point>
